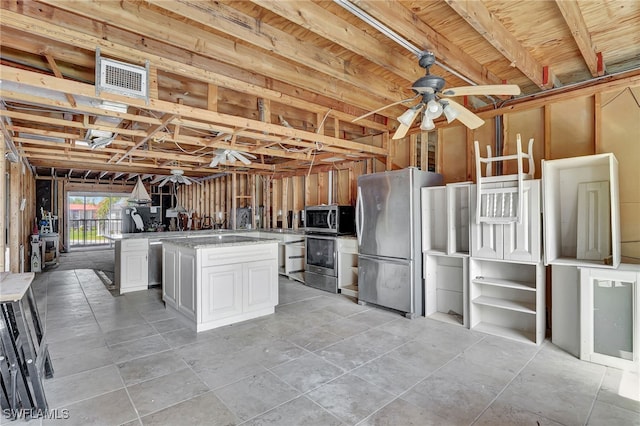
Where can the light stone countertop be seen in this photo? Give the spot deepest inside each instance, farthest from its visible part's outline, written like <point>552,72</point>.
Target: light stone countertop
<point>200,233</point>
<point>213,241</point>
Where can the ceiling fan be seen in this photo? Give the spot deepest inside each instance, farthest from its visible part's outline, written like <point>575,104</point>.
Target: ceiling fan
<point>435,101</point>
<point>226,156</point>
<point>177,176</point>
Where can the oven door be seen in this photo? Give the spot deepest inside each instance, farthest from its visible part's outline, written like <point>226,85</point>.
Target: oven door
<point>321,255</point>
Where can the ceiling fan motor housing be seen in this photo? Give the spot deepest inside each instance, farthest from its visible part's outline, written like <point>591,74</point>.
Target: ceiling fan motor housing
<point>433,81</point>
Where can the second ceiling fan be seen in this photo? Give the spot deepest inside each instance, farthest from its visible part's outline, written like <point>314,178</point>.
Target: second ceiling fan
<point>435,101</point>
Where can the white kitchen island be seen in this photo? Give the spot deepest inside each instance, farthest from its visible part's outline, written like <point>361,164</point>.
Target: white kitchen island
<point>219,280</point>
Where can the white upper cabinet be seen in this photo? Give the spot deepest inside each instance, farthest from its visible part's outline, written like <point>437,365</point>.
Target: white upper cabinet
<point>513,241</point>
<point>581,211</point>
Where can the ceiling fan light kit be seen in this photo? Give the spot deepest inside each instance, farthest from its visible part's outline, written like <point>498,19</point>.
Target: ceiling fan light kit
<point>410,115</point>
<point>427,123</point>
<point>450,112</point>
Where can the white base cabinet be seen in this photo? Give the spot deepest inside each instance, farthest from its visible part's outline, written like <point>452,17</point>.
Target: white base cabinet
<point>212,287</point>
<point>508,299</point>
<point>132,265</point>
<point>447,288</point>
<point>347,253</point>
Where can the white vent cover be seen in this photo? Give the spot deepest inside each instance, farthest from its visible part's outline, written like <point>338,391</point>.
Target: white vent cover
<point>122,78</point>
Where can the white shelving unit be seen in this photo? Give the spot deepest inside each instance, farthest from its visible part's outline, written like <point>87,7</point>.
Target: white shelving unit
<point>507,299</point>
<point>445,244</point>
<point>581,211</point>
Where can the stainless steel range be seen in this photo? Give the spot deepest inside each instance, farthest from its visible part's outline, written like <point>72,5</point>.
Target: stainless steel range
<point>323,224</point>
<point>321,269</point>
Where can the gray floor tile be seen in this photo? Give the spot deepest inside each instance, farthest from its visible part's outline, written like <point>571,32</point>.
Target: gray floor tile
<point>112,408</point>
<point>75,345</point>
<point>204,409</point>
<point>379,340</point>
<point>374,317</point>
<point>151,366</point>
<point>350,398</point>
<point>161,392</point>
<point>390,374</point>
<point>82,361</point>
<point>158,314</point>
<point>445,396</point>
<point>621,388</point>
<point>127,334</point>
<point>66,390</point>
<point>166,325</point>
<point>422,356</point>
<point>299,412</point>
<point>276,352</point>
<point>400,412</point>
<point>255,395</point>
<point>315,338</point>
<point>347,354</point>
<point>503,414</point>
<point>307,373</point>
<point>605,414</point>
<point>138,348</point>
<point>346,327</point>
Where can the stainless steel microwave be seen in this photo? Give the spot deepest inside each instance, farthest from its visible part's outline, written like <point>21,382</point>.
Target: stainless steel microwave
<point>330,219</point>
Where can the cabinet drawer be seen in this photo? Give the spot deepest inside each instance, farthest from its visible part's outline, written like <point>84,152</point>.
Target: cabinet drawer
<point>242,254</point>
<point>135,244</point>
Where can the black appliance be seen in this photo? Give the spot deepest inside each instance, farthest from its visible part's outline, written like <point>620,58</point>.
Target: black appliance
<point>330,219</point>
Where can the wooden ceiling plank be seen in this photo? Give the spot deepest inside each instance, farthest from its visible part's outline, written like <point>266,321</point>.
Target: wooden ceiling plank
<point>57,73</point>
<point>404,21</point>
<point>39,27</point>
<point>486,24</point>
<point>575,21</point>
<point>320,21</point>
<point>127,15</point>
<point>220,17</point>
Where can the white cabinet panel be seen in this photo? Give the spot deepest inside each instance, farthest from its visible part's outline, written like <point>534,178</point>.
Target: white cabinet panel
<point>259,286</point>
<point>169,275</point>
<point>594,231</point>
<point>513,241</point>
<point>135,271</point>
<point>221,292</point>
<point>186,293</point>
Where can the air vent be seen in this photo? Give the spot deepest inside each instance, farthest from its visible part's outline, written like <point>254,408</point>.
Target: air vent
<point>122,78</point>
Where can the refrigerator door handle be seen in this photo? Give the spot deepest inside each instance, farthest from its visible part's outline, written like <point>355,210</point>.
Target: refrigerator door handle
<point>359,223</point>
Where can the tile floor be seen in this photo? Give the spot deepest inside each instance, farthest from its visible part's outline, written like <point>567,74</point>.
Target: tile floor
<point>321,359</point>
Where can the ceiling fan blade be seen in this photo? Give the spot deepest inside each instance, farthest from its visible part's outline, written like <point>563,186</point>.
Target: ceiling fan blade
<point>215,161</point>
<point>164,181</point>
<point>490,89</point>
<point>401,132</point>
<point>467,118</point>
<point>384,107</point>
<point>240,157</point>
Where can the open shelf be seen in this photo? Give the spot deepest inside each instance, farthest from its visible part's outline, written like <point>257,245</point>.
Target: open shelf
<point>447,318</point>
<point>506,332</point>
<point>350,290</point>
<point>512,305</point>
<point>498,282</point>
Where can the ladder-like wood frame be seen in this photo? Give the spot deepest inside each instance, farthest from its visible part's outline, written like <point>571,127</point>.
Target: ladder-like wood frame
<point>498,206</point>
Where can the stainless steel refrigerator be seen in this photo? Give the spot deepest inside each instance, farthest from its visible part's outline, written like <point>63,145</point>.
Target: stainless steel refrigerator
<point>389,239</point>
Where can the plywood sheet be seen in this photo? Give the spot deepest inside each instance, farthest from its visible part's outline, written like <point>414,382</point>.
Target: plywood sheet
<point>454,154</point>
<point>572,128</point>
<point>529,124</point>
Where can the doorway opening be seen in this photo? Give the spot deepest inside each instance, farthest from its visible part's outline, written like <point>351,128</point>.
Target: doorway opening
<point>92,217</point>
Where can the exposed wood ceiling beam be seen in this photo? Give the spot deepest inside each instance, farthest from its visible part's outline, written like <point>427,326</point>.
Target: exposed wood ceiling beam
<point>575,21</point>
<point>484,22</point>
<point>403,21</point>
<point>208,44</point>
<point>57,73</point>
<point>324,23</point>
<point>202,69</point>
<point>165,121</point>
<point>41,81</point>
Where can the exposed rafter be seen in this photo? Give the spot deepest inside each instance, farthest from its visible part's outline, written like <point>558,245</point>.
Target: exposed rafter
<point>575,21</point>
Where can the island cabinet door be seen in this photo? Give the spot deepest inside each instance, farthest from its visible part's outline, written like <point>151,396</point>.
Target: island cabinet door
<point>260,285</point>
<point>221,292</point>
